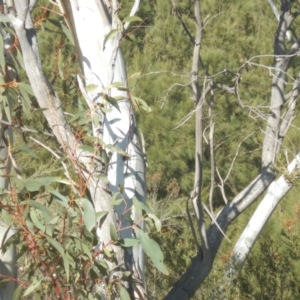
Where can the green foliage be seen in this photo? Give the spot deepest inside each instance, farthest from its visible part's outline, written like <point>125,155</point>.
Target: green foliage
<point>55,241</point>
<point>55,222</point>
<point>56,229</point>
<point>164,82</point>
<point>176,243</point>
<point>272,270</point>
<point>274,264</point>
<point>237,38</point>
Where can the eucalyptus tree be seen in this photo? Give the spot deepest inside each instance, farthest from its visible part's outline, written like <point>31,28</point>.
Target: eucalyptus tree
<point>117,152</point>
<point>109,162</point>
<point>7,258</point>
<point>279,119</point>
<point>279,187</point>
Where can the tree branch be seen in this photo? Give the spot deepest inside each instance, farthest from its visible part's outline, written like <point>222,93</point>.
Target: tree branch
<point>133,11</point>
<point>196,193</point>
<point>289,115</point>
<point>272,141</point>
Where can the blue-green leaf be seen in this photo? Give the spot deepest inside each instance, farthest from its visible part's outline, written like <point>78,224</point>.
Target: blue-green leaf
<point>88,213</point>
<point>2,58</point>
<point>124,294</point>
<point>110,35</point>
<point>152,249</point>
<point>132,19</point>
<point>59,197</point>
<point>27,150</point>
<point>34,285</point>
<point>68,33</point>
<point>113,232</point>
<point>127,242</point>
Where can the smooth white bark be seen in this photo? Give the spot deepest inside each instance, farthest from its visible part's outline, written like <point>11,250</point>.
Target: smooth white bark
<point>8,267</point>
<point>276,191</point>
<point>103,66</point>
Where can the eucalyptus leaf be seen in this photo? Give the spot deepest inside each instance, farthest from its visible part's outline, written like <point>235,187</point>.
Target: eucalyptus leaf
<point>60,198</point>
<point>26,103</point>
<point>87,148</point>
<point>85,120</point>
<point>54,220</point>
<point>91,87</point>
<point>116,84</point>
<point>68,33</point>
<point>124,294</point>
<point>27,151</point>
<point>39,206</point>
<point>33,185</point>
<point>34,285</point>
<point>79,115</point>
<point>101,214</point>
<point>18,182</point>
<point>26,87</point>
<point>6,217</point>
<point>20,59</point>
<point>110,35</point>
<point>117,202</point>
<point>140,206</point>
<point>128,242</point>
<point>35,219</point>
<point>152,249</point>
<point>139,103</point>
<point>4,19</point>
<point>107,253</point>
<point>17,293</point>
<point>113,148</point>
<point>102,266</point>
<point>7,108</point>
<point>88,213</point>
<point>2,58</point>
<point>67,268</point>
<point>113,232</point>
<point>14,239</point>
<point>56,245</point>
<point>132,19</point>
<point>156,221</point>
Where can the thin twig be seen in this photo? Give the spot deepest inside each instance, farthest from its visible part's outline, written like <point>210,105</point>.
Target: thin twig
<point>15,165</point>
<point>215,222</point>
<point>63,164</point>
<point>222,186</point>
<point>26,129</point>
<point>236,155</point>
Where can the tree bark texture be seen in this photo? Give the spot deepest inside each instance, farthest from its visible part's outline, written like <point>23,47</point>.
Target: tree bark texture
<point>102,65</point>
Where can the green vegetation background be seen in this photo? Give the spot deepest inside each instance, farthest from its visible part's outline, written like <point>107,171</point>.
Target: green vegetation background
<point>160,49</point>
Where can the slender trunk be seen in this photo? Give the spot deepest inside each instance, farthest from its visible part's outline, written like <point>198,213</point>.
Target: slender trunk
<point>102,66</point>
<point>275,193</point>
<point>8,268</point>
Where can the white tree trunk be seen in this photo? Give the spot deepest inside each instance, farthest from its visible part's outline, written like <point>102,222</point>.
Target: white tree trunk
<point>8,268</point>
<point>276,191</point>
<point>102,66</point>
